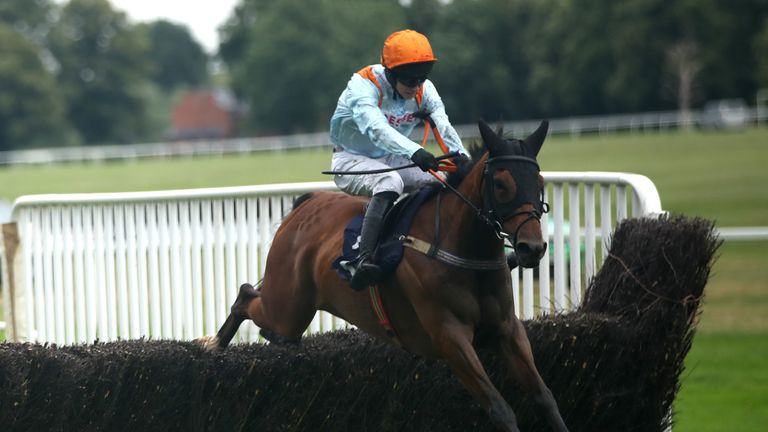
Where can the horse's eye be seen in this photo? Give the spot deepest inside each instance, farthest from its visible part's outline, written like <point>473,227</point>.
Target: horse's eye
<point>499,185</point>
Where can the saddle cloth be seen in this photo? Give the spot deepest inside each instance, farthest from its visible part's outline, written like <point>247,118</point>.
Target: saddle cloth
<point>389,251</point>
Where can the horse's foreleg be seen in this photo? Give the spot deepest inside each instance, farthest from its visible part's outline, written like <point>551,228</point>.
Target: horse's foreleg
<point>516,348</point>
<point>239,312</point>
<point>454,342</point>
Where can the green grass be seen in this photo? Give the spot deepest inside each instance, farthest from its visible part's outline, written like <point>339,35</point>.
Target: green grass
<point>720,176</point>
<point>725,386</point>
<point>162,174</point>
<point>736,297</point>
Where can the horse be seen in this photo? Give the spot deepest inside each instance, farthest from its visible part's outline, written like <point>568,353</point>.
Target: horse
<point>436,309</point>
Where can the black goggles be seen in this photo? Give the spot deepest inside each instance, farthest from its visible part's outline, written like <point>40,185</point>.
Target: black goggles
<point>412,81</point>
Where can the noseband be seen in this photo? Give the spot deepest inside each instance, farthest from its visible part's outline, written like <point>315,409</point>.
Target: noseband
<point>495,213</point>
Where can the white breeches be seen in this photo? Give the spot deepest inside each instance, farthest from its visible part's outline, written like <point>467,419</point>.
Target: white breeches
<point>404,180</point>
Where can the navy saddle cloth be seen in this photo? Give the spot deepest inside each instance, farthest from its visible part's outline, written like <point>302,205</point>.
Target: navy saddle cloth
<point>389,252</point>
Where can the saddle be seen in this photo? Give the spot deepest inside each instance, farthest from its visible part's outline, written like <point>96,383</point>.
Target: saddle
<point>389,251</point>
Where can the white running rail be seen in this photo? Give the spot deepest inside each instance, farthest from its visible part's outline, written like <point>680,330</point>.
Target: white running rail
<point>106,266</point>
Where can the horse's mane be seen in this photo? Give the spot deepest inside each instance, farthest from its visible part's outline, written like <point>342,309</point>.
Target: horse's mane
<point>476,152</point>
<point>301,200</point>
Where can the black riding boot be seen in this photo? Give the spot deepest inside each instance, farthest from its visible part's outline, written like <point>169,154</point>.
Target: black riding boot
<point>366,271</point>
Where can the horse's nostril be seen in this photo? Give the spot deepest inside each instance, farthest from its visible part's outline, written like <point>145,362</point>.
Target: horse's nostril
<point>531,249</point>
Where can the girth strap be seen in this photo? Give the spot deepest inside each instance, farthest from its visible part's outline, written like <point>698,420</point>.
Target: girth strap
<point>448,258</point>
<point>381,313</point>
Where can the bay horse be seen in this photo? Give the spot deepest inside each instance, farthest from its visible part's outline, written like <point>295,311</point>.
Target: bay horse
<point>437,309</point>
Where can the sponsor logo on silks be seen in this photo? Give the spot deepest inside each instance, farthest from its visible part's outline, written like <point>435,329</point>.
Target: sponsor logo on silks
<point>395,121</point>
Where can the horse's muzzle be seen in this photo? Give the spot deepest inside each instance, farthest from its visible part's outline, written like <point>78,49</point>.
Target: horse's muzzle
<point>530,253</point>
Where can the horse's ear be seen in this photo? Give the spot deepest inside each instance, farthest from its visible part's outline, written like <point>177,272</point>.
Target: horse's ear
<point>536,139</point>
<point>490,138</point>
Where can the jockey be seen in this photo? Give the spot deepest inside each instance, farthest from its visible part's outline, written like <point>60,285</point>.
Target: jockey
<point>370,128</point>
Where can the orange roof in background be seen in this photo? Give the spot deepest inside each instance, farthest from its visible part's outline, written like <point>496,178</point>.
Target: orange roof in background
<point>204,114</point>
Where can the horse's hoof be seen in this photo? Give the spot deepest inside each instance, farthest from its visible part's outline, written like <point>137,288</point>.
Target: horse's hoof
<point>210,343</point>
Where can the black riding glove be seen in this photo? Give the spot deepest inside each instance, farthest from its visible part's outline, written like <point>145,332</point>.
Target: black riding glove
<point>425,160</point>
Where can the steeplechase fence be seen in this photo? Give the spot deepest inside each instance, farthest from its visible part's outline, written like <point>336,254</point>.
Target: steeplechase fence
<point>167,265</point>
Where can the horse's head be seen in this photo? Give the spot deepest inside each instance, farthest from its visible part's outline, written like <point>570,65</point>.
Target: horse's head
<point>513,191</point>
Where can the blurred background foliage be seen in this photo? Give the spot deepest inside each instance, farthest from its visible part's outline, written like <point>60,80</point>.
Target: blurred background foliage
<point>80,73</point>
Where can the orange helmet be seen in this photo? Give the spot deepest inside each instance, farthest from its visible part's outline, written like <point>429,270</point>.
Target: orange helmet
<point>404,47</point>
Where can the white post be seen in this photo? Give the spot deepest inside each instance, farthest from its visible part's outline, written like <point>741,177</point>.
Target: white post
<point>574,242</point>
<point>12,264</point>
<point>590,262</point>
<point>559,251</point>
<point>196,286</point>
<point>545,296</point>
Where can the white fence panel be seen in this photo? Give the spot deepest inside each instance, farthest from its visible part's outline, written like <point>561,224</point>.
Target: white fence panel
<point>167,265</point>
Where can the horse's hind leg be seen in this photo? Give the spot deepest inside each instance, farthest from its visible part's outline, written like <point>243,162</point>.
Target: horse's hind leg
<point>238,313</point>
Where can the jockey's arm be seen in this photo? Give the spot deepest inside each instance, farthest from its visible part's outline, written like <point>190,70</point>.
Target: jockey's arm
<point>371,121</point>
<point>434,104</point>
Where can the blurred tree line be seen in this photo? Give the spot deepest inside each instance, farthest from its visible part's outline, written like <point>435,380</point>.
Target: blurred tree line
<point>81,73</point>
<point>501,59</point>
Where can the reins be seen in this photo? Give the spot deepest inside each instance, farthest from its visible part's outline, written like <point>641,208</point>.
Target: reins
<point>445,157</point>
<point>488,216</point>
<point>446,164</point>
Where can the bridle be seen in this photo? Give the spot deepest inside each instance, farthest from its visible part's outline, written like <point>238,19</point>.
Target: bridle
<point>495,213</point>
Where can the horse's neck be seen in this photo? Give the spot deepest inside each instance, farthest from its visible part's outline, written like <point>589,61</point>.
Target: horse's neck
<point>465,228</point>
